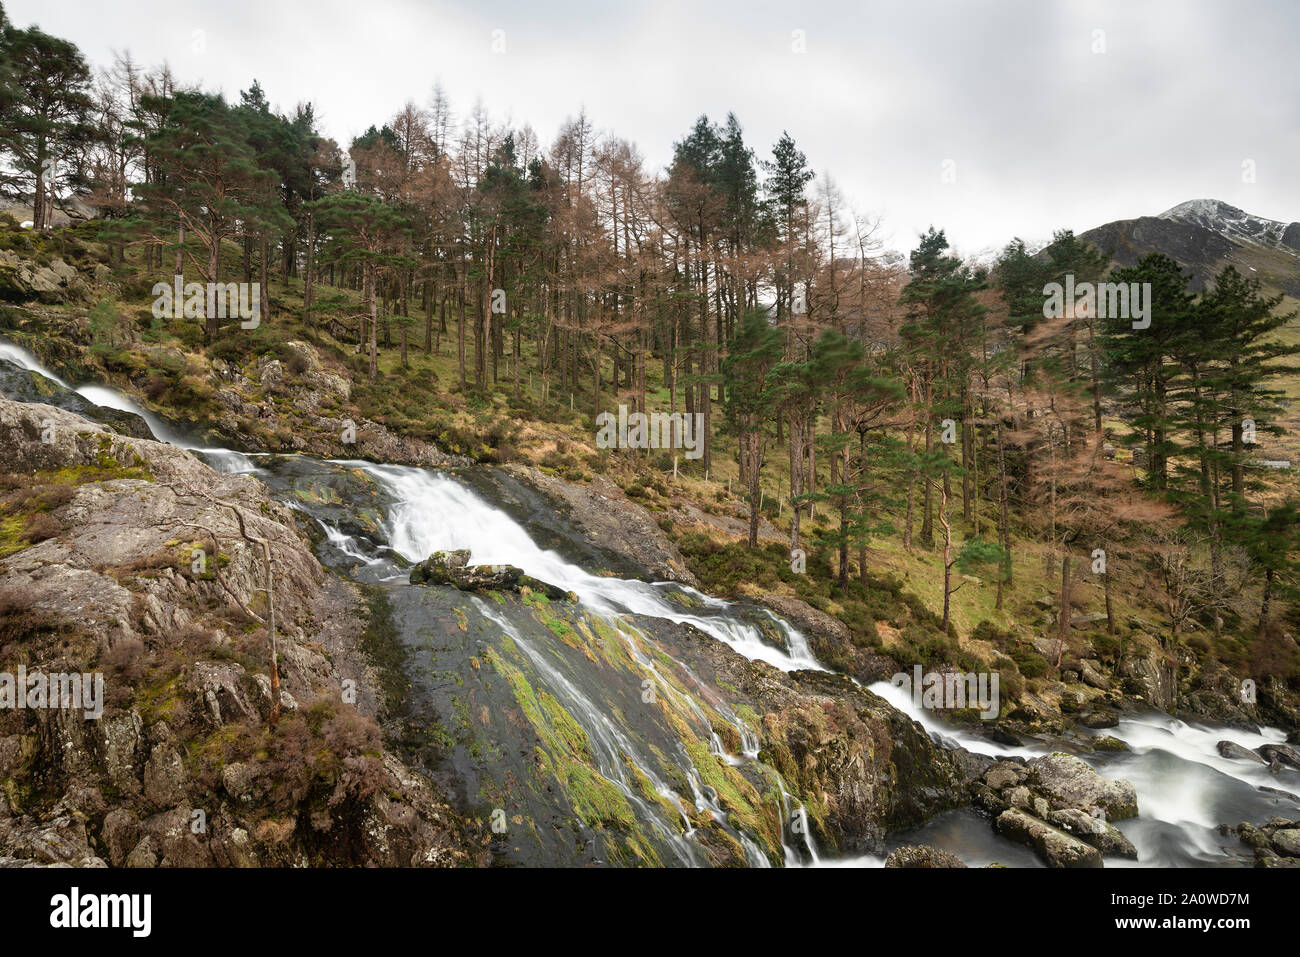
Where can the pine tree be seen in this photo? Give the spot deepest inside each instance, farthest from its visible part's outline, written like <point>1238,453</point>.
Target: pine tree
<point>746,376</point>
<point>45,107</point>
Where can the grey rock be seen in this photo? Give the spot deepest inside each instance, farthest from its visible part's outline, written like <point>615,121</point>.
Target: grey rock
<point>1279,754</point>
<point>1229,749</point>
<point>1101,834</point>
<point>922,856</point>
<point>1054,846</point>
<point>1068,782</point>
<point>453,568</point>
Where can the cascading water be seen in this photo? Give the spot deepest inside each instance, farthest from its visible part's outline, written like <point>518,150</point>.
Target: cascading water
<point>223,460</point>
<point>436,513</point>
<point>433,512</point>
<point>1185,788</point>
<point>24,359</point>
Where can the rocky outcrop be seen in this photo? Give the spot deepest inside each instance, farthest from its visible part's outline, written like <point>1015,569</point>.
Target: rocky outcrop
<point>453,569</point>
<point>862,767</point>
<point>23,385</point>
<point>1060,807</point>
<point>829,638</point>
<point>301,404</point>
<point>25,279</point>
<point>610,520</point>
<point>1151,677</point>
<point>1276,844</point>
<point>150,571</point>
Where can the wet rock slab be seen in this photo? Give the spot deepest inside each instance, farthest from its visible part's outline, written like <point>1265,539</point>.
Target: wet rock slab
<point>453,569</point>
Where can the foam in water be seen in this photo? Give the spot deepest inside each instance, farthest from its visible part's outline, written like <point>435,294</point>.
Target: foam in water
<point>222,460</point>
<point>1185,788</point>
<point>436,513</point>
<point>21,357</point>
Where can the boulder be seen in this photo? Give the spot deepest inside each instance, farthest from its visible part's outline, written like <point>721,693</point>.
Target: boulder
<point>1287,841</point>
<point>1067,782</point>
<point>922,856</point>
<point>1004,774</point>
<point>1049,648</point>
<point>1098,832</point>
<point>1054,846</point>
<point>1099,719</point>
<point>1083,621</point>
<point>453,569</point>
<point>1229,749</point>
<point>1276,844</point>
<point>1090,672</point>
<point>1279,754</point>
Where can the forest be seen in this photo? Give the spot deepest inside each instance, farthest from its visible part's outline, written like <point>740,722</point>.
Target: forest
<point>852,397</point>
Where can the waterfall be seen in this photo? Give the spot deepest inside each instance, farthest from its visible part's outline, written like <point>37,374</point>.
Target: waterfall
<point>21,357</point>
<point>434,512</point>
<point>1185,788</point>
<point>222,460</point>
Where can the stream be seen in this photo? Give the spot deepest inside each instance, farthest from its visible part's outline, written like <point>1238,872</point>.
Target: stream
<point>632,784</point>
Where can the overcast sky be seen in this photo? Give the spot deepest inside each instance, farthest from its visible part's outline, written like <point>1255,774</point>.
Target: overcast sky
<point>1051,114</point>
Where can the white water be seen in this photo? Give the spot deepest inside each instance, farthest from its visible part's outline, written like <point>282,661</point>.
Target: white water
<point>21,357</point>
<point>434,512</point>
<point>1185,788</point>
<point>223,460</point>
<point>112,399</point>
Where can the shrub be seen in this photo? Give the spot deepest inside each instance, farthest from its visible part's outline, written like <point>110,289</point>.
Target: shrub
<point>1029,661</point>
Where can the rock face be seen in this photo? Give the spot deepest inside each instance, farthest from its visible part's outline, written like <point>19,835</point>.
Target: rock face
<point>142,574</point>
<point>610,520</point>
<point>830,639</point>
<point>25,386</point>
<point>453,569</point>
<point>1153,678</point>
<point>862,767</point>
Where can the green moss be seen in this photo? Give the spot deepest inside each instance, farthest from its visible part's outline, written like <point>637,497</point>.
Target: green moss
<point>11,534</point>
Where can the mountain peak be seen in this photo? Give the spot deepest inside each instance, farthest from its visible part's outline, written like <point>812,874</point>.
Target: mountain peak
<point>1227,220</point>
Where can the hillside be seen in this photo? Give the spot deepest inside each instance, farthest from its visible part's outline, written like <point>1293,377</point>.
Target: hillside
<point>1204,235</point>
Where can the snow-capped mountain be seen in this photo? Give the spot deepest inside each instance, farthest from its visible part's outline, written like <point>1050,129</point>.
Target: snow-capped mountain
<point>1234,223</point>
<point>989,255</point>
<point>1204,235</point>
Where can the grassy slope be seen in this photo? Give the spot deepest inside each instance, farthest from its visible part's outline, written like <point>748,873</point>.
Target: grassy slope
<point>556,432</point>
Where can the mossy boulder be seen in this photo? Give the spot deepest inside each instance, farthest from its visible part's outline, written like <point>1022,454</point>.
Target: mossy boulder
<point>453,569</point>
